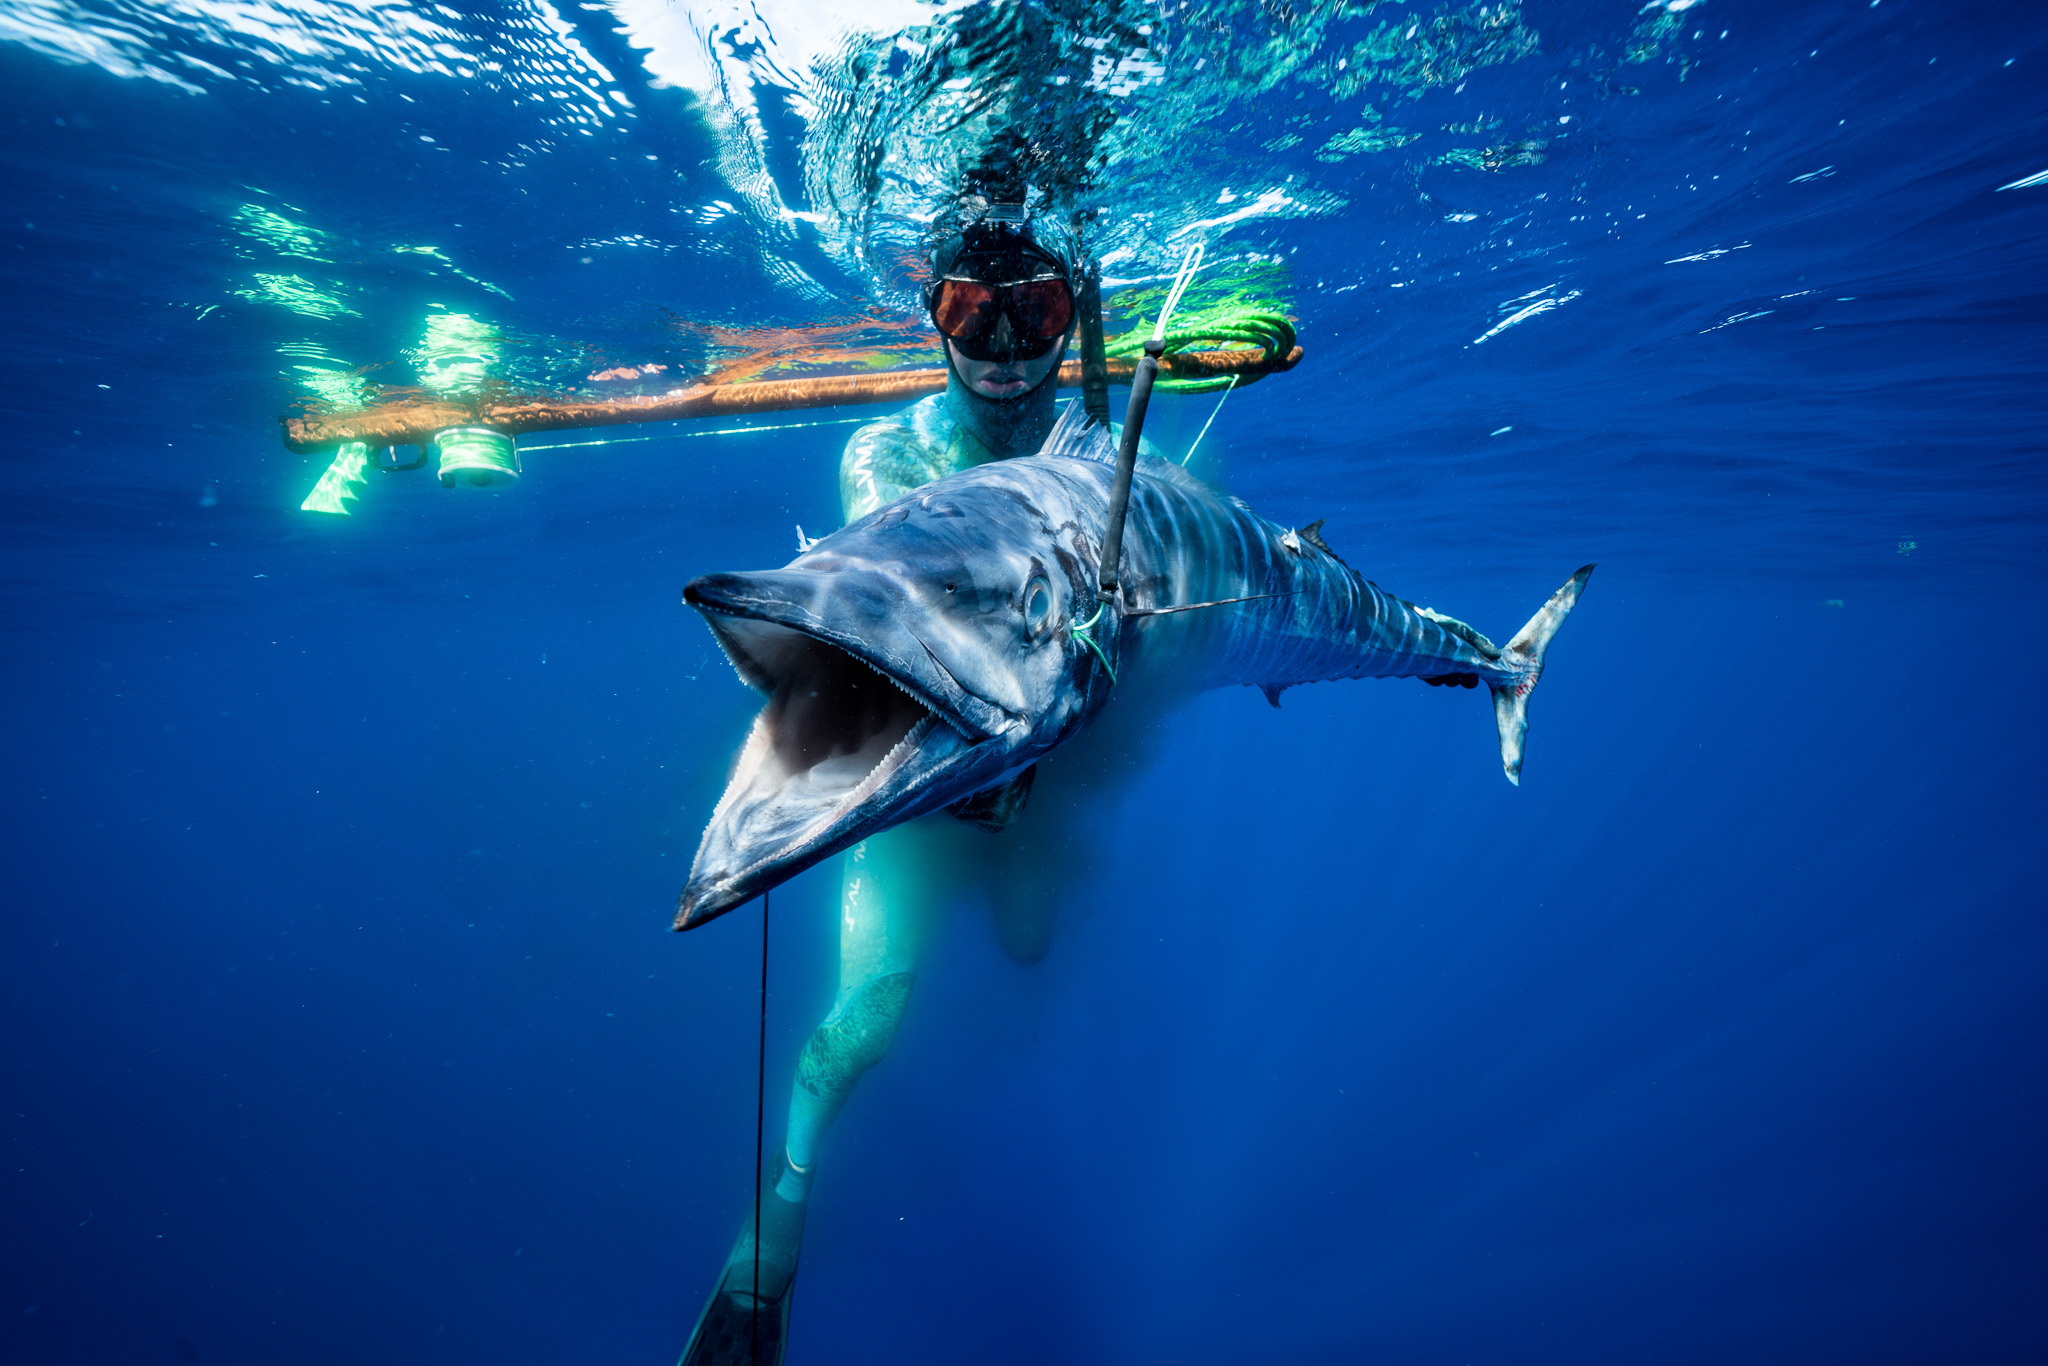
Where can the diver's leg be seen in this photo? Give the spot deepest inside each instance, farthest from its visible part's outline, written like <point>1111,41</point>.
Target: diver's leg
<point>890,890</point>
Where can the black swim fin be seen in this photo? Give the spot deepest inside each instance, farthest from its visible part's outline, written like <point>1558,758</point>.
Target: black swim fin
<point>730,1331</point>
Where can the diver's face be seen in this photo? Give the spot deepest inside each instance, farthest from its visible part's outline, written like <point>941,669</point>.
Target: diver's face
<point>1000,379</point>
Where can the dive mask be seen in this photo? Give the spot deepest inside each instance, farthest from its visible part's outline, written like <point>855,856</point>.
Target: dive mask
<point>1001,273</point>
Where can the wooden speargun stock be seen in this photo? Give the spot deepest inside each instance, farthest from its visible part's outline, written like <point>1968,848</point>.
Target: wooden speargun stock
<point>416,422</point>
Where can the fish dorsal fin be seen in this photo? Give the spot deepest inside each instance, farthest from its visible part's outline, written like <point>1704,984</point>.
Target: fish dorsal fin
<point>1076,438</point>
<point>1313,534</point>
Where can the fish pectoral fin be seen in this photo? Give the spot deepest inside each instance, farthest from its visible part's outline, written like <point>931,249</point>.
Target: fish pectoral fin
<point>1273,691</point>
<point>993,808</point>
<point>1525,654</point>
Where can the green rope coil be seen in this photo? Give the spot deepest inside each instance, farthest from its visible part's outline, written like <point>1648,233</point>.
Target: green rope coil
<point>1220,330</point>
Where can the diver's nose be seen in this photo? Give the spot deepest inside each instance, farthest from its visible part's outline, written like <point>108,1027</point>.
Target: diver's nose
<point>1003,337</point>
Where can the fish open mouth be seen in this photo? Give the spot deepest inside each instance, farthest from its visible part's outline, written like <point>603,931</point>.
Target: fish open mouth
<point>843,748</point>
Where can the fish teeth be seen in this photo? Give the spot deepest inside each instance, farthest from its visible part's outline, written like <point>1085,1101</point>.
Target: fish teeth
<point>909,741</point>
<point>887,764</point>
<point>951,724</point>
<point>749,762</point>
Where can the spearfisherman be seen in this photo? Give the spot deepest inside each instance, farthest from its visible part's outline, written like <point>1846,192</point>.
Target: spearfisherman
<point>1004,302</point>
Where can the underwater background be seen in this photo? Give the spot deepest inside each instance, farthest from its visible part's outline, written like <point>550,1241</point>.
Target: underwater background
<point>343,1021</point>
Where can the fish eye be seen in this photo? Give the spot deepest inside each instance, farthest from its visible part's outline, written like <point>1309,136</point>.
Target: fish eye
<point>1037,604</point>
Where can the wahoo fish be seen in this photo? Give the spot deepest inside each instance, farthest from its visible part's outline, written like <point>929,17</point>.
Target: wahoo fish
<point>928,655</point>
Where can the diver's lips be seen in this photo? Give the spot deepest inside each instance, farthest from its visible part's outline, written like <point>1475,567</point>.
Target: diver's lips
<point>792,599</point>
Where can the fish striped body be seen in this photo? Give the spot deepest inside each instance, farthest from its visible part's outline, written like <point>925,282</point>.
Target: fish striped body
<point>1310,617</point>
<point>1287,610</point>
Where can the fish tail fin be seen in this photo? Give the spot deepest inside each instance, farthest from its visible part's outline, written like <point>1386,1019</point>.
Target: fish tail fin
<point>1511,701</point>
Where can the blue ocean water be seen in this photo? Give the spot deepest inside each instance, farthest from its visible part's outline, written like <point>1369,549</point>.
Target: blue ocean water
<point>343,1018</point>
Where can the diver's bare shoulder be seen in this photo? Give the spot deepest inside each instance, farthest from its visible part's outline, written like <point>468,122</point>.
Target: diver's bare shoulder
<point>888,458</point>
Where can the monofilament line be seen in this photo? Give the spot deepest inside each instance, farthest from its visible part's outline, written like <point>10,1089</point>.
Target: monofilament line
<point>716,431</point>
<point>1188,267</point>
<point>760,1116</point>
<point>1211,422</point>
